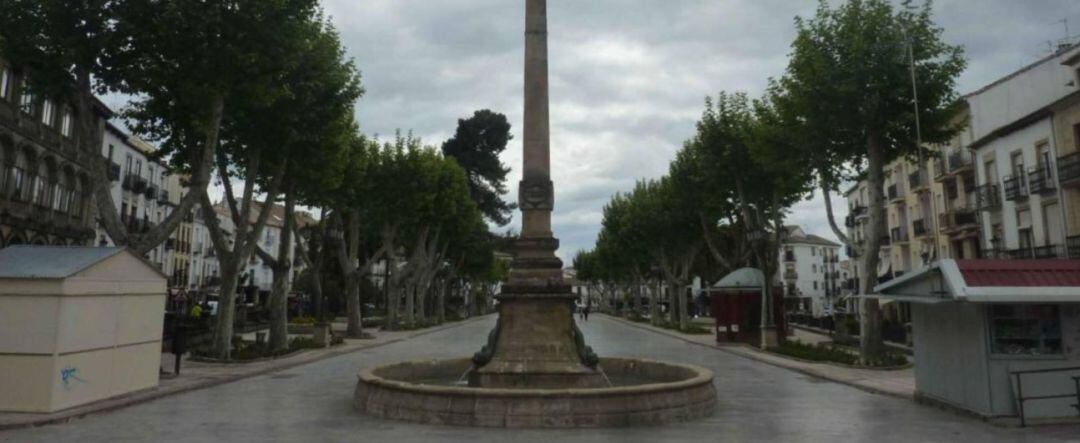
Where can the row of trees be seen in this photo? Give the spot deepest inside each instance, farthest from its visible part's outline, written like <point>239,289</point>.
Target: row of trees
<point>260,95</point>
<point>867,82</point>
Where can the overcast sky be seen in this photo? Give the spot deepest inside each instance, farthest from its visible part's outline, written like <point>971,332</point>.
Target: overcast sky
<point>628,77</point>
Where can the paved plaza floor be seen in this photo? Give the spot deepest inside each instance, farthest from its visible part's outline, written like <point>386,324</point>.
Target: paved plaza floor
<point>757,402</point>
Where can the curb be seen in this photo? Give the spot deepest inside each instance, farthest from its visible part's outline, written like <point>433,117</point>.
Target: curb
<point>147,395</point>
<point>748,353</point>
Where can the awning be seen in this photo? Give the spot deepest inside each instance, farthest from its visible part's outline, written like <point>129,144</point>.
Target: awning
<point>988,281</point>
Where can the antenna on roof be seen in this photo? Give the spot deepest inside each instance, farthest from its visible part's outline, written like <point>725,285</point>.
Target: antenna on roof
<point>1067,41</point>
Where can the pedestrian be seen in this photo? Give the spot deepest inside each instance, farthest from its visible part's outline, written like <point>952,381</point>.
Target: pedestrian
<point>585,312</point>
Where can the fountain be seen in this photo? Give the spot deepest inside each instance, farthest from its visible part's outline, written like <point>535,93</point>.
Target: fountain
<point>535,369</point>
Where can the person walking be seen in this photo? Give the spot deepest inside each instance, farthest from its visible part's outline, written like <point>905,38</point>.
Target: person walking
<point>585,313</point>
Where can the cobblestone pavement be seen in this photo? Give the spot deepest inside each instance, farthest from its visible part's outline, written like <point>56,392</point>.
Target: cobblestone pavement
<point>758,402</point>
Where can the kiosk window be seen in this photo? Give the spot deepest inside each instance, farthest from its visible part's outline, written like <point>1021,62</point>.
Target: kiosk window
<point>1025,329</point>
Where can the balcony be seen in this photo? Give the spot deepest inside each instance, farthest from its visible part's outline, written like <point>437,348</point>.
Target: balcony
<point>1050,251</point>
<point>138,184</point>
<point>959,219</point>
<point>851,252</point>
<point>170,244</point>
<point>899,235</point>
<point>961,161</point>
<point>151,192</point>
<point>859,211</point>
<point>1041,180</point>
<point>987,197</point>
<point>1068,167</point>
<point>128,183</point>
<point>1073,244</point>
<point>789,257</point>
<point>849,221</point>
<point>895,193</point>
<point>919,227</point>
<point>1015,188</point>
<point>1020,254</point>
<point>918,182</point>
<point>940,168</point>
<point>163,196</point>
<point>114,171</point>
<point>791,275</point>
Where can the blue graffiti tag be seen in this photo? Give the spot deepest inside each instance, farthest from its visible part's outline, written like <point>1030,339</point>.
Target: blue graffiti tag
<point>69,375</point>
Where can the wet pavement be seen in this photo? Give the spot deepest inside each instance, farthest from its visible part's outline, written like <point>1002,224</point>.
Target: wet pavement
<point>757,402</point>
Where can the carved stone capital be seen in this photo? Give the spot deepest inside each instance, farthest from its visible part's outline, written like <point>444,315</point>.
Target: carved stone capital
<point>536,194</point>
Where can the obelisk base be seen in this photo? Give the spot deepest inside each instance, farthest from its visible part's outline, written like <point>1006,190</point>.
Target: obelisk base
<point>537,346</point>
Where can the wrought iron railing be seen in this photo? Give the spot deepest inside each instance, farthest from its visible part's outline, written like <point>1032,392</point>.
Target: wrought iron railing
<point>1050,251</point>
<point>1015,188</point>
<point>960,159</point>
<point>917,179</point>
<point>919,226</point>
<point>1068,167</point>
<point>899,235</point>
<point>987,197</point>
<point>895,192</point>
<point>1041,180</point>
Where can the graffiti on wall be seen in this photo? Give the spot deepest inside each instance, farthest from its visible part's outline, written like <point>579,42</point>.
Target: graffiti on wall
<point>69,376</point>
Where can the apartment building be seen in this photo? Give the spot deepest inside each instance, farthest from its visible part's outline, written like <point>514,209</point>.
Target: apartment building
<point>141,189</point>
<point>809,271</point>
<point>1066,126</point>
<point>1013,126</point>
<point>45,189</point>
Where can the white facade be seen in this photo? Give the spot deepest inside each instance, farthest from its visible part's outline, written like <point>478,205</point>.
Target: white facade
<point>809,268</point>
<point>142,190</point>
<point>205,270</point>
<point>1019,197</point>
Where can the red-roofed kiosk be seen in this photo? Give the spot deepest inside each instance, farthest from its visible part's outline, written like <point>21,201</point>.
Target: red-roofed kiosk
<point>1000,338</point>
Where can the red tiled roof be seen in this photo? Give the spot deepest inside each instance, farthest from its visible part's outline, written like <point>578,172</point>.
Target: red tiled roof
<point>1020,273</point>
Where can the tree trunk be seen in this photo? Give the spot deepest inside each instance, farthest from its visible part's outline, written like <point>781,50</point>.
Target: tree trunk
<point>636,293</point>
<point>654,302</point>
<point>440,307</point>
<point>226,309</point>
<point>471,303</point>
<point>870,341</point>
<point>354,323</point>
<point>410,305</point>
<point>282,266</point>
<point>355,327</point>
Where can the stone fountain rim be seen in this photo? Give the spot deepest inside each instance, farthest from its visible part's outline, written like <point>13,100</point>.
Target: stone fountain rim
<point>702,376</point>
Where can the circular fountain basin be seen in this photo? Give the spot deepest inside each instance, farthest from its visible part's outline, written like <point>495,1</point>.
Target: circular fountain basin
<point>643,393</point>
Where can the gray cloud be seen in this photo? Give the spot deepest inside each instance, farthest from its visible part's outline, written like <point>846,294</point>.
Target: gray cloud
<point>628,77</point>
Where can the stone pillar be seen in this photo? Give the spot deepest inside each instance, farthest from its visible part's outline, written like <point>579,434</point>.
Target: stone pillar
<point>536,343</point>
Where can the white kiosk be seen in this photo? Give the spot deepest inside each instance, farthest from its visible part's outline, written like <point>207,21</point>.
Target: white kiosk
<point>77,325</point>
<point>999,338</point>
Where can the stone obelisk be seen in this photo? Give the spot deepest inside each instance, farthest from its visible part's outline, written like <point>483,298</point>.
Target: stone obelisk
<point>536,343</point>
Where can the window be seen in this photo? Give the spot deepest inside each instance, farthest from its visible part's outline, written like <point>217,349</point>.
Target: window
<point>1076,135</point>
<point>5,81</point>
<point>813,252</point>
<point>813,268</point>
<point>1025,329</point>
<point>47,110</point>
<point>815,286</point>
<point>66,124</point>
<point>127,165</point>
<point>26,103</point>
